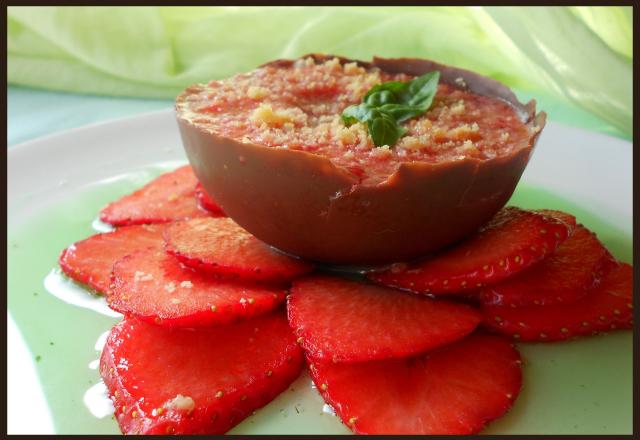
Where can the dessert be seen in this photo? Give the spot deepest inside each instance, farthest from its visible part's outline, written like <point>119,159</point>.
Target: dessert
<point>205,338</point>
<point>456,389</point>
<point>606,307</point>
<point>204,381</point>
<point>511,242</point>
<point>169,197</point>
<point>220,246</point>
<point>155,287</point>
<point>349,321</point>
<point>567,275</point>
<point>402,163</point>
<point>90,261</point>
<point>274,141</point>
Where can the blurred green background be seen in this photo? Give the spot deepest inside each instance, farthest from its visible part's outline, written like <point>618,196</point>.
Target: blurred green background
<point>576,61</point>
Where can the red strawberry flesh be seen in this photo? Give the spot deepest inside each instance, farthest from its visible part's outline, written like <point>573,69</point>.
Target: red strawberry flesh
<point>204,381</point>
<point>169,197</point>
<point>512,241</point>
<point>349,321</point>
<point>206,202</point>
<point>456,389</point>
<point>155,287</point>
<point>220,246</point>
<point>90,261</point>
<point>565,276</point>
<point>608,306</point>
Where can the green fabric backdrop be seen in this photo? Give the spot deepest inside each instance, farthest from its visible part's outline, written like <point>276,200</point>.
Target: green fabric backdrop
<point>578,56</point>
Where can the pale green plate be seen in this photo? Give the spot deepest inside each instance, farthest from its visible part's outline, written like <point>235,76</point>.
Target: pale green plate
<point>58,184</point>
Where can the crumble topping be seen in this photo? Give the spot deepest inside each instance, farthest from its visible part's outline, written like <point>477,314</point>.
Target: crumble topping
<point>300,108</point>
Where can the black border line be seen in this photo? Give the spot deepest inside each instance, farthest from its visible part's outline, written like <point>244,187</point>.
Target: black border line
<point>636,179</point>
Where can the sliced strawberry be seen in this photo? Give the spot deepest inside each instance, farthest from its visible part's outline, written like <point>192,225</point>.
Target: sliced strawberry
<point>89,261</point>
<point>456,389</point>
<point>155,287</point>
<point>171,196</point>
<point>206,202</point>
<point>220,246</point>
<point>203,381</point>
<point>560,215</point>
<point>349,321</point>
<point>565,276</point>
<point>512,241</point>
<point>608,306</point>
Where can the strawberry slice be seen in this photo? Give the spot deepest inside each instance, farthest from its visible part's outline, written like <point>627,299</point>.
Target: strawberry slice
<point>206,202</point>
<point>606,307</point>
<point>89,261</point>
<point>203,381</point>
<point>560,215</point>
<point>512,241</point>
<point>565,276</point>
<point>220,246</point>
<point>349,321</point>
<point>171,196</point>
<point>155,287</point>
<point>456,389</point>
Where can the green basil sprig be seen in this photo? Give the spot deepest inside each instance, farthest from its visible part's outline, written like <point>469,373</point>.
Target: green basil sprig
<point>386,105</point>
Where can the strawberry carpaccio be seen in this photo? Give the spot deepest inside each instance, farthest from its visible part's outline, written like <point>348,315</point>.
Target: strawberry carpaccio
<point>300,108</point>
<point>205,340</point>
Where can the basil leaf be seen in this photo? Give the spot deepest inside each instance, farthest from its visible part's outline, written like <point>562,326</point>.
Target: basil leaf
<point>381,97</point>
<point>384,130</point>
<point>402,112</point>
<point>423,89</point>
<point>395,87</point>
<point>385,105</point>
<point>355,113</point>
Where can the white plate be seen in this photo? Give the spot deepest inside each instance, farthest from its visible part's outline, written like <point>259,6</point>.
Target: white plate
<point>590,170</point>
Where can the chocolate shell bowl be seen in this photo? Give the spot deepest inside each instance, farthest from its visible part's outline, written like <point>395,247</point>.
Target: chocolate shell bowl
<point>314,207</point>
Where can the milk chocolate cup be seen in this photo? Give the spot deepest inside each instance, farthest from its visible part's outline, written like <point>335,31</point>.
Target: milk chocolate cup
<point>304,205</point>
